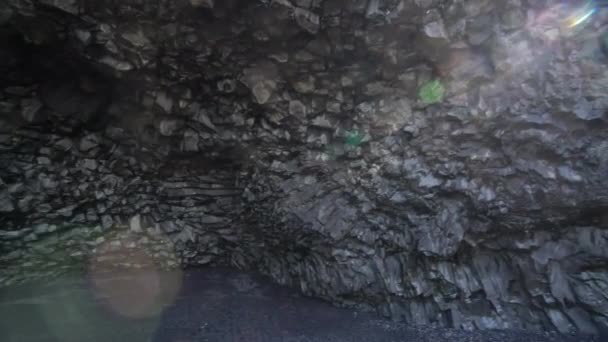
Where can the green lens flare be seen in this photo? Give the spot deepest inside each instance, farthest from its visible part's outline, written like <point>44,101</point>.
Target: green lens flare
<point>354,138</point>
<point>432,92</point>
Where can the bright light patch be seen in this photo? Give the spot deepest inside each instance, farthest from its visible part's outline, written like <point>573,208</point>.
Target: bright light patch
<point>127,280</point>
<point>581,17</point>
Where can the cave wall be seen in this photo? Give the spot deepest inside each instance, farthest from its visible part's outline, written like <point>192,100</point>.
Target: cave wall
<point>91,180</point>
<point>83,202</point>
<point>290,137</point>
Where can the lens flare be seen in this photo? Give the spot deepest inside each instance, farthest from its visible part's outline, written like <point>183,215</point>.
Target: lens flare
<point>580,16</point>
<point>126,279</point>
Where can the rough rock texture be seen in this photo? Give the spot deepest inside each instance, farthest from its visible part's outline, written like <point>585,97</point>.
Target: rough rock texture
<point>83,191</point>
<point>327,172</point>
<point>206,304</point>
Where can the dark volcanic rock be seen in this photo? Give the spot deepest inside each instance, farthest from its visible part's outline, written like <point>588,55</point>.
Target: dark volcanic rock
<point>213,304</point>
<point>296,138</point>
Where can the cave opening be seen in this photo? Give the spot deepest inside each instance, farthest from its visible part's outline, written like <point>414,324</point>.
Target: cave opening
<point>441,163</point>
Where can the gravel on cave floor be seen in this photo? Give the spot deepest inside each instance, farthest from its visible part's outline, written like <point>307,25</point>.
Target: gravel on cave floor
<point>210,304</point>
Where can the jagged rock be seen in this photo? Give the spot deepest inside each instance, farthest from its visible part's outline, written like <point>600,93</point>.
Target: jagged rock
<point>203,3</point>
<point>190,142</point>
<point>84,36</point>
<point>434,26</point>
<point>106,221</point>
<point>307,20</point>
<point>87,143</point>
<point>297,109</point>
<point>203,118</point>
<point>65,144</point>
<point>164,101</point>
<point>227,85</point>
<point>90,164</point>
<point>261,79</point>
<point>322,122</point>
<point>513,18</point>
<point>136,37</point>
<point>43,160</point>
<point>30,109</point>
<point>169,127</point>
<point>6,204</point>
<point>135,224</point>
<point>479,29</point>
<point>116,64</point>
<point>304,85</point>
<point>323,168</point>
<point>70,6</point>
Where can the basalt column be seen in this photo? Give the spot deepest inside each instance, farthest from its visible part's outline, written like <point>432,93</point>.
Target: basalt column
<point>437,161</point>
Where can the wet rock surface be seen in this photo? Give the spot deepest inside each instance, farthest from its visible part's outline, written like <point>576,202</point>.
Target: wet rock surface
<point>289,137</point>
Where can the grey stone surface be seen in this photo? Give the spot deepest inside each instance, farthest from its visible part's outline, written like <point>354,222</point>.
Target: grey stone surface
<point>317,163</point>
<point>30,109</point>
<point>210,304</point>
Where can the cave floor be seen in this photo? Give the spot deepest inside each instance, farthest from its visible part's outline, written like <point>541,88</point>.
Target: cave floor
<point>201,305</point>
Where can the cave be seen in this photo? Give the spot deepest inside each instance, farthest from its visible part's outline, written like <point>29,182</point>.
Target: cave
<point>438,163</point>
